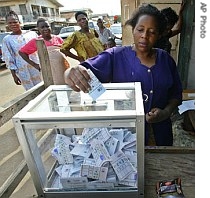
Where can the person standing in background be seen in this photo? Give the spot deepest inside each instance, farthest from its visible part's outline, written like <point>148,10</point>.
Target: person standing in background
<point>104,33</point>
<point>85,41</point>
<point>49,40</point>
<point>110,43</point>
<point>23,73</point>
<point>58,61</point>
<point>173,27</point>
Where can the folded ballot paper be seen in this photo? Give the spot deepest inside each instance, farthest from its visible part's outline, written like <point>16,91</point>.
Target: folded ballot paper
<point>96,87</point>
<point>186,105</point>
<point>99,158</point>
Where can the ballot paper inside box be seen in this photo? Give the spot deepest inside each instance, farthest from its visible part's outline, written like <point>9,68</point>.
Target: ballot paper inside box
<point>75,146</point>
<point>101,157</point>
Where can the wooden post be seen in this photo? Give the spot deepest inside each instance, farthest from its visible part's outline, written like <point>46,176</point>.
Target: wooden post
<point>44,62</point>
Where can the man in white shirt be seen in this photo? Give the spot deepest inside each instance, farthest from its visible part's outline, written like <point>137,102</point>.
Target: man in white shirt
<point>103,32</point>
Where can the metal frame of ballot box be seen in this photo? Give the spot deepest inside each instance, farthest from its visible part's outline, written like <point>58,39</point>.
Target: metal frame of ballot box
<point>58,109</point>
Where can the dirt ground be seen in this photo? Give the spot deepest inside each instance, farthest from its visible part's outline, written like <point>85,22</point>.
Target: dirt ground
<point>8,89</point>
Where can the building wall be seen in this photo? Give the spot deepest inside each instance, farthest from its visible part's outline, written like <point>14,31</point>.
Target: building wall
<point>29,17</point>
<point>69,15</point>
<point>186,58</point>
<point>127,7</point>
<point>191,71</point>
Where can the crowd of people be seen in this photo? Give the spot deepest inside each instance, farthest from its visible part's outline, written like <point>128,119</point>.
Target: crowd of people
<point>147,60</point>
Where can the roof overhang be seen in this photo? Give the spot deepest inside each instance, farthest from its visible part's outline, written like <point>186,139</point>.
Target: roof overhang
<point>56,3</point>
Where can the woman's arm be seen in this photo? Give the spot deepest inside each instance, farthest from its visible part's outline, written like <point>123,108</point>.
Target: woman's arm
<point>26,50</point>
<point>15,77</point>
<point>158,115</point>
<point>178,27</point>
<point>28,60</point>
<point>71,55</point>
<point>67,45</point>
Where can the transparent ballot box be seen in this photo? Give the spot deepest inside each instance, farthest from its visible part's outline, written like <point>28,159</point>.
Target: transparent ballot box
<point>78,147</point>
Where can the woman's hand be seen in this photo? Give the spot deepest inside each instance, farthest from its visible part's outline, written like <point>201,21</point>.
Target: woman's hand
<point>35,65</point>
<point>157,115</point>
<point>16,80</point>
<point>77,78</point>
<point>182,6</point>
<point>80,59</point>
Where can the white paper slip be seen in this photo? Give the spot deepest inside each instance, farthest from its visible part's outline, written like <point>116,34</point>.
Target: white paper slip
<point>111,145</point>
<point>99,152</point>
<point>99,185</point>
<point>186,105</point>
<point>122,166</point>
<point>82,150</point>
<point>96,87</point>
<point>74,182</point>
<point>94,172</point>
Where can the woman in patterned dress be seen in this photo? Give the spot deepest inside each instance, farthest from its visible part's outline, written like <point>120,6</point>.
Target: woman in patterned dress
<point>23,73</point>
<point>49,40</point>
<point>85,41</point>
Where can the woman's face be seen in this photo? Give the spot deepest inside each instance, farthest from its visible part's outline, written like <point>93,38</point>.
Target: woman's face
<point>145,33</point>
<point>13,24</point>
<point>82,21</point>
<point>100,23</point>
<point>44,28</point>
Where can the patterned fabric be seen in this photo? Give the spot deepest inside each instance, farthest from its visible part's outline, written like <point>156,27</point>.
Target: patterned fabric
<point>11,44</point>
<point>181,137</point>
<point>103,36</point>
<point>85,46</point>
<point>57,60</point>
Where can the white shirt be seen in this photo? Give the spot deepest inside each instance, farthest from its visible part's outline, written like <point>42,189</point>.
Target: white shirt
<point>103,36</point>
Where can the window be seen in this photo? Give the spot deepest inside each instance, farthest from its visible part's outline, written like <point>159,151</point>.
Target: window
<point>23,10</point>
<point>45,11</point>
<point>52,11</point>
<point>4,10</point>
